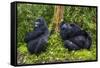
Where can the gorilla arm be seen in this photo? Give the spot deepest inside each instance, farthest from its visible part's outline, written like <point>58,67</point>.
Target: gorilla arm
<point>70,45</point>
<point>33,35</point>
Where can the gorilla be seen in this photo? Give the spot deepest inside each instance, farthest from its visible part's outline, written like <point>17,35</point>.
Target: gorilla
<point>74,37</point>
<point>38,38</point>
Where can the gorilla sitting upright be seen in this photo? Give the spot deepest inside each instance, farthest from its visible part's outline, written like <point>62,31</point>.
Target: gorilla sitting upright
<point>37,39</point>
<point>74,38</point>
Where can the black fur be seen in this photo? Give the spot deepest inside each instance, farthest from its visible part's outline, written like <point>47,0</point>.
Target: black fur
<point>37,39</point>
<point>74,37</point>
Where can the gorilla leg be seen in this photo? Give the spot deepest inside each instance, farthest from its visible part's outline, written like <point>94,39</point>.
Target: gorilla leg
<point>32,45</point>
<point>70,45</point>
<point>37,45</point>
<point>82,42</point>
<point>79,41</point>
<point>82,39</point>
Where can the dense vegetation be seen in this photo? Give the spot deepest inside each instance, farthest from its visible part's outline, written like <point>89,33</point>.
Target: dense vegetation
<point>85,17</point>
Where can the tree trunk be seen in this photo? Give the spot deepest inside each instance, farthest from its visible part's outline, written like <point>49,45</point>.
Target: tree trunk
<point>58,16</point>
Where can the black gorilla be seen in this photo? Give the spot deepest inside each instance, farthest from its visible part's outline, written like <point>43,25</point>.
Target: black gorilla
<point>37,39</point>
<point>74,38</point>
<point>68,30</point>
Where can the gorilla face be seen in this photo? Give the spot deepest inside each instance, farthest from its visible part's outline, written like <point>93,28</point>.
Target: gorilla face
<point>64,30</point>
<point>66,27</point>
<point>37,24</point>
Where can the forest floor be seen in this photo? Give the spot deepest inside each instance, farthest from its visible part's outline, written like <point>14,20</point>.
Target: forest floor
<point>55,52</point>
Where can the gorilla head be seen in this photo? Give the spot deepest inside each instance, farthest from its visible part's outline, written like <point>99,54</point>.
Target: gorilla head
<point>39,29</point>
<point>40,24</point>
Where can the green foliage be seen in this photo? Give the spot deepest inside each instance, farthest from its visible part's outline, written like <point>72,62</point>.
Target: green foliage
<point>22,48</point>
<point>27,14</point>
<point>55,52</point>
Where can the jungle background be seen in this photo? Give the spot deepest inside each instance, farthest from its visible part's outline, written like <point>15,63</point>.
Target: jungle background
<point>27,14</point>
